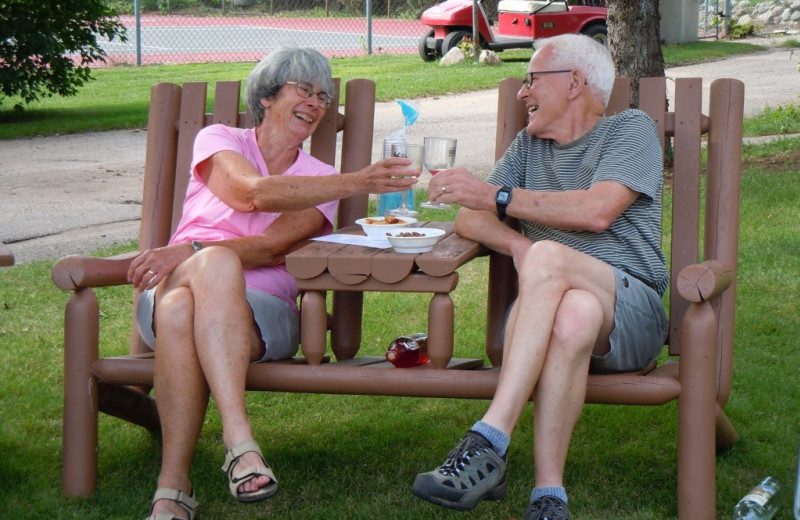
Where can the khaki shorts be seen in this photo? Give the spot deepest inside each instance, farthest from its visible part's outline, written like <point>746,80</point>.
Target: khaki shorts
<point>276,320</point>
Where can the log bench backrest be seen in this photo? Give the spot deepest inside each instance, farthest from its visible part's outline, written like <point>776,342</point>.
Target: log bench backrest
<point>178,113</point>
<point>717,179</point>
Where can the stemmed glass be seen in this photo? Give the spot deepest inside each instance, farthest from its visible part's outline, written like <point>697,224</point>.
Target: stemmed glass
<point>414,152</point>
<point>440,154</point>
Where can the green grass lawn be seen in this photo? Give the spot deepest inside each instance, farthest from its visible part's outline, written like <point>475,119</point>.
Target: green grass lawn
<point>354,457</point>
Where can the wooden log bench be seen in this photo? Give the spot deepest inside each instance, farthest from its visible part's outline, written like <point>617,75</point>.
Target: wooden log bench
<point>697,374</point>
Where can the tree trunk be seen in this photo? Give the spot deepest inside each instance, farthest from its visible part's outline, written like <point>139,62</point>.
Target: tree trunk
<point>634,39</point>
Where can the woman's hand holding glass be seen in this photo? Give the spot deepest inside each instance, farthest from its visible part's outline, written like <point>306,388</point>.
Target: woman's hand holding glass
<point>388,175</point>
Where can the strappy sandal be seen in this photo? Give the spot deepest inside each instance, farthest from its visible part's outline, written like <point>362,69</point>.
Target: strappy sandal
<point>235,479</point>
<point>186,502</point>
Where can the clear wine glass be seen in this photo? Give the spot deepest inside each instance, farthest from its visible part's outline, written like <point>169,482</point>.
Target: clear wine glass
<point>414,152</point>
<point>440,154</point>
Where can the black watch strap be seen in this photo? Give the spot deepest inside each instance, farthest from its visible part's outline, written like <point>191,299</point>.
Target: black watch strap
<point>502,199</point>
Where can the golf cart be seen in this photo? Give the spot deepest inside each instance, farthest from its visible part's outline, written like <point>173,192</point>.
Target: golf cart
<point>519,23</point>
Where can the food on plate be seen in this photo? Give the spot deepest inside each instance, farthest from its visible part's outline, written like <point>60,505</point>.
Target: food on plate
<point>386,220</point>
<point>406,234</point>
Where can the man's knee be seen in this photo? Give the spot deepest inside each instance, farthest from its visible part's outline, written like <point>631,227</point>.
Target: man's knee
<point>545,259</point>
<point>578,322</point>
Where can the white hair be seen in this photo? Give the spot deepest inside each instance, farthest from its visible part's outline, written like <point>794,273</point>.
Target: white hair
<point>577,51</point>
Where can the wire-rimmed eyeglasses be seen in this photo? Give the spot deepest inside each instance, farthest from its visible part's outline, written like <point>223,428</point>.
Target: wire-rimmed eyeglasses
<point>305,91</point>
<point>530,77</point>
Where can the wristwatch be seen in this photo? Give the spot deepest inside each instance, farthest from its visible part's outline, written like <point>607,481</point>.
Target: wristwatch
<point>502,200</point>
<point>197,246</point>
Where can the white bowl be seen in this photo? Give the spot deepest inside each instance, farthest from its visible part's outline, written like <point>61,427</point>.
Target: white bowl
<point>377,227</point>
<point>419,240</point>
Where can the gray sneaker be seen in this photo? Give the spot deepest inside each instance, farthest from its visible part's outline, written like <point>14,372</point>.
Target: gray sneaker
<point>546,508</point>
<point>473,471</point>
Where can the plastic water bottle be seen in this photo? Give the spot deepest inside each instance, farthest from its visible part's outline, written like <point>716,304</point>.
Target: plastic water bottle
<point>389,201</point>
<point>761,502</point>
<point>796,505</point>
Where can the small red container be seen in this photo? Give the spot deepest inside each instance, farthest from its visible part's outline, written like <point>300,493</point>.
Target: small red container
<point>408,351</point>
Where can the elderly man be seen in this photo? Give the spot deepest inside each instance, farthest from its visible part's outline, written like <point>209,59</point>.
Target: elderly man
<point>586,190</point>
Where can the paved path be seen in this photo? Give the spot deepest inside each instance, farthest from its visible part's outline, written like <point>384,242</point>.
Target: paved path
<point>76,193</point>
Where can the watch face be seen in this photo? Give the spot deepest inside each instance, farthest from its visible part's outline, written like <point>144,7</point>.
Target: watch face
<point>502,197</point>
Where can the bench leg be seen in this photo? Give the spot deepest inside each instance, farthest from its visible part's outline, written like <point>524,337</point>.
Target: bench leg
<point>441,314</point>
<point>697,491</point>
<point>346,332</point>
<point>313,326</point>
<point>79,438</point>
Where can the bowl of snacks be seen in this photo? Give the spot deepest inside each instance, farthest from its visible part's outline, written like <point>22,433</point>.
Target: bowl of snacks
<point>377,227</point>
<point>414,240</point>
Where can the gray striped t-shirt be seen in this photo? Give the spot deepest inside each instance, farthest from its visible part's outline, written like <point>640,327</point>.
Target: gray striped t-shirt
<point>623,148</point>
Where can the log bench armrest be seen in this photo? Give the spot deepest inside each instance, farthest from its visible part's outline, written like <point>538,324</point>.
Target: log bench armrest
<point>700,282</point>
<point>78,271</point>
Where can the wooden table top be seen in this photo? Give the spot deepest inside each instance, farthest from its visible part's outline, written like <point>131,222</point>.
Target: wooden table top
<point>352,264</point>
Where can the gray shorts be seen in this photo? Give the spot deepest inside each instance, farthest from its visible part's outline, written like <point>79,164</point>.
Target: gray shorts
<point>640,328</point>
<point>276,320</point>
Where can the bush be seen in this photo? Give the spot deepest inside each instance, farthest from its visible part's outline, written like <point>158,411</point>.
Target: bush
<point>47,45</point>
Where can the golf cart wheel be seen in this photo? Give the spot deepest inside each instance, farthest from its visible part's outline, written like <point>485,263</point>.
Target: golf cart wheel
<point>427,46</point>
<point>597,32</point>
<point>453,39</point>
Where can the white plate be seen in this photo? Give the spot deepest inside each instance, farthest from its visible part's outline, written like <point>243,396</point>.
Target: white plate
<point>414,244</point>
<point>379,230</point>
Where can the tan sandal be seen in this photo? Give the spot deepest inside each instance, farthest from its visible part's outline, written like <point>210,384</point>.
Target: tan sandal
<point>186,502</point>
<point>241,476</point>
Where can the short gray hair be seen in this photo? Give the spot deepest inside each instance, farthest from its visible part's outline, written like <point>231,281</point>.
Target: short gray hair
<point>282,65</point>
<point>577,51</point>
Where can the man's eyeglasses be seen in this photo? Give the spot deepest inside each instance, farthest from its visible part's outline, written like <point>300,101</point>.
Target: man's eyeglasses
<point>305,91</point>
<point>531,76</point>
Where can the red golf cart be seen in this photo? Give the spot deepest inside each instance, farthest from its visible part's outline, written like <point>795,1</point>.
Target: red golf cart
<point>519,23</point>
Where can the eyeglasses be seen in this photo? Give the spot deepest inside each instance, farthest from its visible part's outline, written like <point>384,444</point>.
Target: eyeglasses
<point>305,91</point>
<point>531,76</point>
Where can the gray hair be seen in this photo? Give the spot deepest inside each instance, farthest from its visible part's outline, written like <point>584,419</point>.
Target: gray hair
<point>282,65</point>
<point>577,51</point>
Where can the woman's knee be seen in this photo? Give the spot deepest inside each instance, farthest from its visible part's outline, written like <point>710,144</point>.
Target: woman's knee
<point>174,312</point>
<point>215,264</point>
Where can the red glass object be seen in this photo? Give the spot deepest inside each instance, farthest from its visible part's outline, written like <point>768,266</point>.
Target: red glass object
<point>408,351</point>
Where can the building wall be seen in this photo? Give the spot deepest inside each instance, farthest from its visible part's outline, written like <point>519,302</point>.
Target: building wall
<point>679,20</point>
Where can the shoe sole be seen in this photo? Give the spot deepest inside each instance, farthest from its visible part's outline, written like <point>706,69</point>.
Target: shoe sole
<point>465,503</point>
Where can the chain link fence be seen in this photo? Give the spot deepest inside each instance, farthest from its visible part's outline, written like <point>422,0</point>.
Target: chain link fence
<point>195,31</point>
<point>710,18</point>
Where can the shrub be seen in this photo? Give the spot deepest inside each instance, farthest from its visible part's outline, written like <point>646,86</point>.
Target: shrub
<point>47,45</point>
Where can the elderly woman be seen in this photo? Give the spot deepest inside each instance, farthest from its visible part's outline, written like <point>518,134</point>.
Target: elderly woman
<point>218,297</point>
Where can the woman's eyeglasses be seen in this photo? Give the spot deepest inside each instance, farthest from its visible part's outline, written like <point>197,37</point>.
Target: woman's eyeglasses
<point>305,91</point>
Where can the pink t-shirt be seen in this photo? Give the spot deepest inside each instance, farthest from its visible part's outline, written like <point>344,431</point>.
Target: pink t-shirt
<point>207,218</point>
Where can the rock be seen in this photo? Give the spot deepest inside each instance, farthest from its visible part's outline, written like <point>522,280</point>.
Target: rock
<point>453,57</point>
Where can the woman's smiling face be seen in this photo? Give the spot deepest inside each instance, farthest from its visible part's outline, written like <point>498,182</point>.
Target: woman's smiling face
<point>297,115</point>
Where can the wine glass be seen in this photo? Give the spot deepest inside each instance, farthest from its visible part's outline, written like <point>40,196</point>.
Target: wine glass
<point>440,154</point>
<point>414,152</point>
